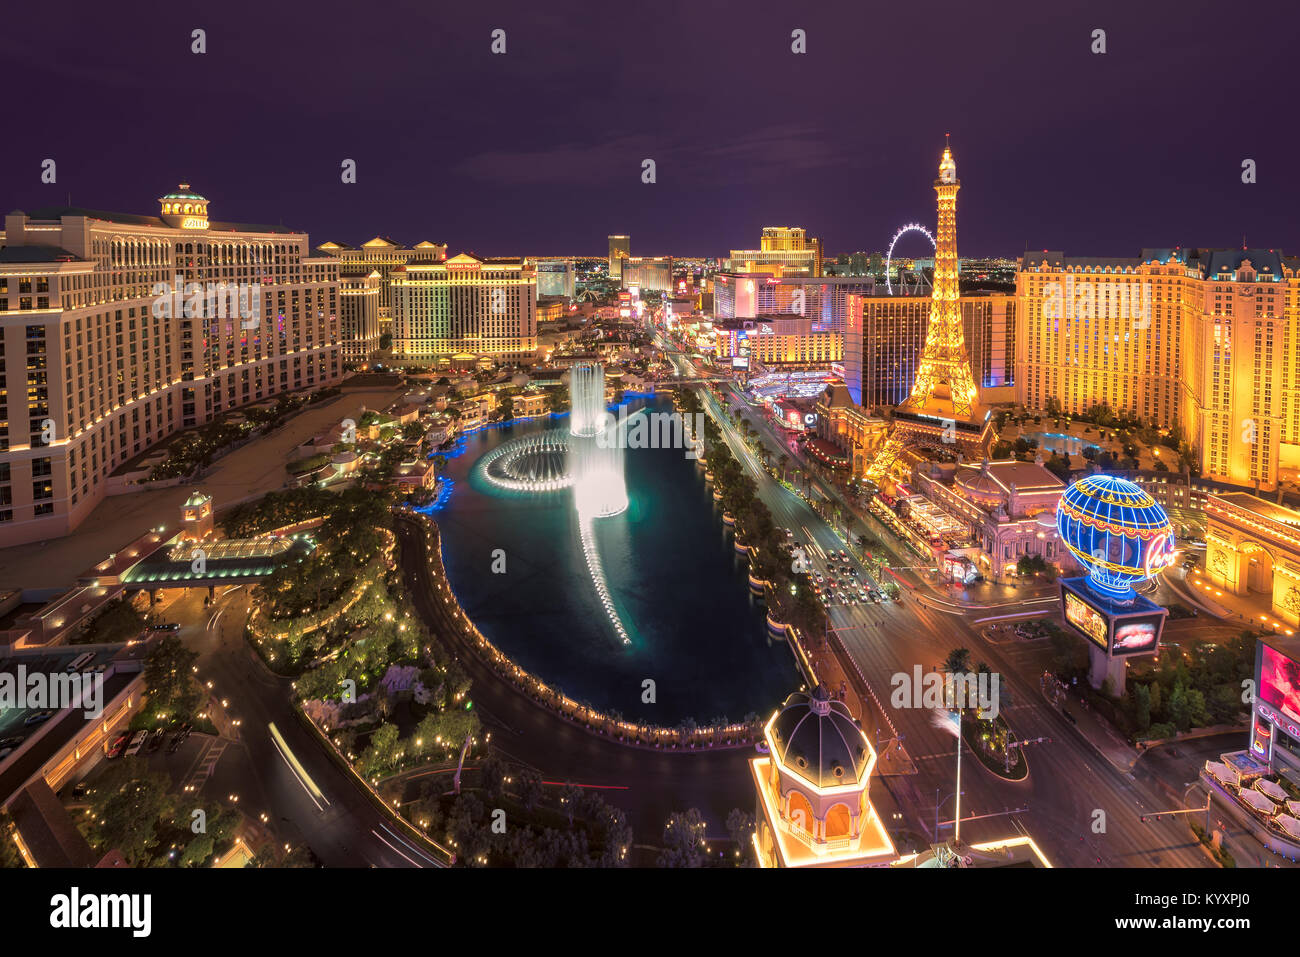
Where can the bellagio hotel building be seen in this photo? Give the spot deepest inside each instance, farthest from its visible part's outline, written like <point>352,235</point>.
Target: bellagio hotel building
<point>1205,340</point>
<point>96,366</point>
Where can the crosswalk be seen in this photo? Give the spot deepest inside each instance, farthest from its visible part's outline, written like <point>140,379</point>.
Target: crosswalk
<point>207,762</point>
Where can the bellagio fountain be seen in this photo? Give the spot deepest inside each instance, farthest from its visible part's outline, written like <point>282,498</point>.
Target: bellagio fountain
<point>588,458</point>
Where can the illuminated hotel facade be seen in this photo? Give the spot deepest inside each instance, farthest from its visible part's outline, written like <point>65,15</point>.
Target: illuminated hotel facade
<point>620,248</point>
<point>359,298</point>
<point>106,354</point>
<point>650,273</point>
<point>781,341</point>
<point>381,255</point>
<point>1207,341</point>
<point>783,251</point>
<point>465,306</point>
<point>825,301</point>
<point>555,277</point>
<point>884,338</point>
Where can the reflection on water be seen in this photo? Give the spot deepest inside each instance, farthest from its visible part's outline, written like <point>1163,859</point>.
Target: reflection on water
<point>681,589</point>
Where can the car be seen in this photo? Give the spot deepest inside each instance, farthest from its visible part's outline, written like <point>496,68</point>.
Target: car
<point>875,595</point>
<point>1069,717</point>
<point>137,742</point>
<point>177,739</point>
<point>119,744</point>
<point>38,716</point>
<point>167,626</point>
<point>11,742</point>
<point>789,533</point>
<point>154,741</point>
<point>5,752</point>
<point>80,790</point>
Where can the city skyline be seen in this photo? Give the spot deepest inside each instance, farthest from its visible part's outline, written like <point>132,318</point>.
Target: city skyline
<point>1121,164</point>
<point>548,437</point>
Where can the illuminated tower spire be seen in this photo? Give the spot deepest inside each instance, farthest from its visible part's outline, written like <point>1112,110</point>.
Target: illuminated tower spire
<point>944,385</point>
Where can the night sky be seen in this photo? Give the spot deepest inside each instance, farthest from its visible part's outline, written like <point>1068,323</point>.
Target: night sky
<point>538,151</point>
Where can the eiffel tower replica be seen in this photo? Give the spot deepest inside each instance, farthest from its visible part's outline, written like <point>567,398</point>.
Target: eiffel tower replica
<point>943,414</point>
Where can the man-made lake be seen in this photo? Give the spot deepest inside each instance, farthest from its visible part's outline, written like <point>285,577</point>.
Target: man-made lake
<point>675,578</point>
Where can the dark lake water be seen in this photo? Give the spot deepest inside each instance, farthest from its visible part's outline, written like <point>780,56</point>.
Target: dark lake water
<point>672,571</point>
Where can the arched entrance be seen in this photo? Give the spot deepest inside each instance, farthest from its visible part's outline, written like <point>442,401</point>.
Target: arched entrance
<point>1257,574</point>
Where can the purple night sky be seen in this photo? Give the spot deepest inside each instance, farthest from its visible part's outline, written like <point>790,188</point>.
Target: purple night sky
<point>539,151</point>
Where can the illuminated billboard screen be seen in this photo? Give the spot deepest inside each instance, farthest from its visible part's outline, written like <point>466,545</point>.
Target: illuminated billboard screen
<point>1087,619</point>
<point>1136,636</point>
<point>1279,682</point>
<point>740,362</point>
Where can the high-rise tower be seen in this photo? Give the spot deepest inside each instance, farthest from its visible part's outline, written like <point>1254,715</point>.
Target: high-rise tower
<point>944,384</point>
<point>943,413</point>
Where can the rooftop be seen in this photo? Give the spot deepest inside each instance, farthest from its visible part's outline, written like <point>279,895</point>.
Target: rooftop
<point>54,213</point>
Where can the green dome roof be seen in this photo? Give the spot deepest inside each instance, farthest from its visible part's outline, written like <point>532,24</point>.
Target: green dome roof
<point>183,192</point>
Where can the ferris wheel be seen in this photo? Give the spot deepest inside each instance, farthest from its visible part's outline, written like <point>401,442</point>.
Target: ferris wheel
<point>889,256</point>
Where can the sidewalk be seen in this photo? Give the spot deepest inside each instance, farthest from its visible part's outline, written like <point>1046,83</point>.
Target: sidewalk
<point>1227,607</point>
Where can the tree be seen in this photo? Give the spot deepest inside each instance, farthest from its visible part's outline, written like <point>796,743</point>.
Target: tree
<point>128,802</point>
<point>465,828</point>
<point>1157,702</point>
<point>9,856</point>
<point>492,774</point>
<point>198,850</point>
<point>381,753</point>
<point>683,840</point>
<point>530,788</point>
<point>116,623</point>
<point>958,661</point>
<point>169,680</point>
<point>740,827</point>
<point>1142,707</point>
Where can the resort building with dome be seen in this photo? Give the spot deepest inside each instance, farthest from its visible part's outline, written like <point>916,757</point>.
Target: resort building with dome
<point>991,513</point>
<point>122,330</point>
<point>814,809</point>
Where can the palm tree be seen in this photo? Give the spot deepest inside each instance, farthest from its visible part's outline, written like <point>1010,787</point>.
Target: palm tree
<point>958,661</point>
<point>785,462</point>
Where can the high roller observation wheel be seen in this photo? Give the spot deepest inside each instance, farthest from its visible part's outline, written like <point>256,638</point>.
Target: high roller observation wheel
<point>889,256</point>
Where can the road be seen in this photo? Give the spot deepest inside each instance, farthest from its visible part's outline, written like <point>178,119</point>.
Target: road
<point>1069,781</point>
<point>319,803</point>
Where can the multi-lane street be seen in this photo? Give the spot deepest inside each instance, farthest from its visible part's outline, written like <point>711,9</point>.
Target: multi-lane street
<point>1069,782</point>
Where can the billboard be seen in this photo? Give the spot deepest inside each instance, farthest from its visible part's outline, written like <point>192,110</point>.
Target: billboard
<point>741,359</point>
<point>1136,636</point>
<point>1121,629</point>
<point>1090,622</point>
<point>1279,681</point>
